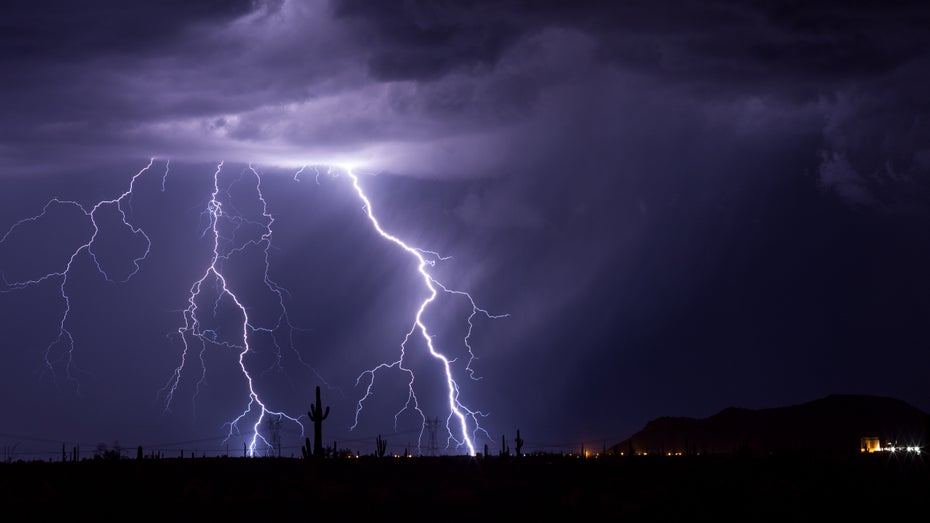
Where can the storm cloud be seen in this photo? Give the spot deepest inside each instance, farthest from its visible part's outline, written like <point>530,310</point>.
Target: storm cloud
<point>392,83</point>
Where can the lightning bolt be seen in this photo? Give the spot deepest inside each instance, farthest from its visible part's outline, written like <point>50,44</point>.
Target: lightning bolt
<point>231,235</point>
<point>164,178</point>
<point>462,423</point>
<point>219,212</point>
<point>64,337</point>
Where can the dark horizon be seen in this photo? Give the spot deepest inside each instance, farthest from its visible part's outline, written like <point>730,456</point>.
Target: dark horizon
<point>731,432</point>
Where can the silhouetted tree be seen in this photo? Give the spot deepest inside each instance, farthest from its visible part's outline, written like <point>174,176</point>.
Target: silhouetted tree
<point>103,452</point>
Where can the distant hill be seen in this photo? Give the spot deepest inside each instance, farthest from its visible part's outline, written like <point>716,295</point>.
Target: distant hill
<point>834,424</point>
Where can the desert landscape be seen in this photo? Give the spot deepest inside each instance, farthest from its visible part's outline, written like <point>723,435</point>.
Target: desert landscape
<point>749,483</point>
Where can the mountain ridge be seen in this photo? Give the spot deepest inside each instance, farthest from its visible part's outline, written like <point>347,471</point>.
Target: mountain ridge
<point>836,423</point>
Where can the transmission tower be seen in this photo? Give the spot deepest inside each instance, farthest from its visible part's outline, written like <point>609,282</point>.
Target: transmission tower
<point>432,425</point>
<point>274,426</point>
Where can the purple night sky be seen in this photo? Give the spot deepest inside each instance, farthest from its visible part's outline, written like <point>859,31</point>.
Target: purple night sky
<point>681,207</point>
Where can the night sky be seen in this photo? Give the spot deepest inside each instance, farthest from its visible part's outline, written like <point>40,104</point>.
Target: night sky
<point>680,206</point>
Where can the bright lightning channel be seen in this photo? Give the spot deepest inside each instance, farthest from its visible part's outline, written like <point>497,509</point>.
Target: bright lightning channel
<point>65,338</point>
<point>460,416</point>
<point>193,327</point>
<point>219,212</point>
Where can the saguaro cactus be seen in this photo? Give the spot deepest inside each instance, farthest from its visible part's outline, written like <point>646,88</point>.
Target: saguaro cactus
<point>519,443</point>
<point>505,450</point>
<point>382,445</point>
<point>317,415</point>
<point>305,449</point>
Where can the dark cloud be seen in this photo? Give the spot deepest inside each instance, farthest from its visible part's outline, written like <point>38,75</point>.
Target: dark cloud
<point>743,45</point>
<point>861,64</point>
<point>390,80</point>
<point>425,40</point>
<point>877,143</point>
<point>152,77</point>
<point>44,33</point>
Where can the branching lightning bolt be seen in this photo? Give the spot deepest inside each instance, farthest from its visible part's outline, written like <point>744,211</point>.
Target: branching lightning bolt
<point>193,325</point>
<point>64,335</point>
<point>462,422</point>
<point>223,223</point>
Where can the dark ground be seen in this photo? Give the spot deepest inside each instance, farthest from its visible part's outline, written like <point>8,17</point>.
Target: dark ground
<point>686,488</point>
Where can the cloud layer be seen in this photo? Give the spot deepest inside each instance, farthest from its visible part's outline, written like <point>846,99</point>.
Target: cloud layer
<point>454,88</point>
